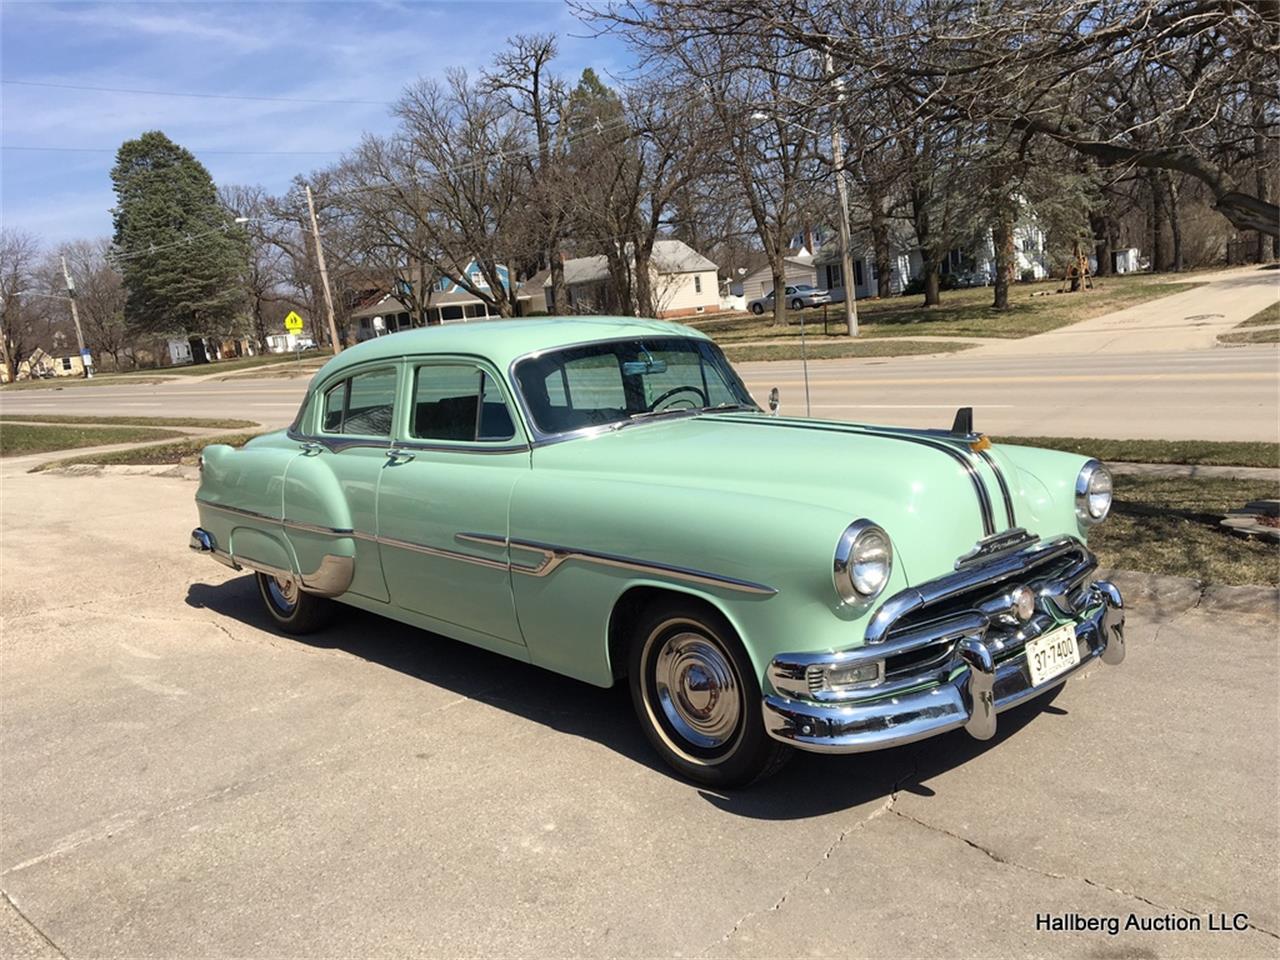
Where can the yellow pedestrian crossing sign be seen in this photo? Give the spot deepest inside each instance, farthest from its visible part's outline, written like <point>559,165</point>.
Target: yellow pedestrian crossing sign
<point>293,322</point>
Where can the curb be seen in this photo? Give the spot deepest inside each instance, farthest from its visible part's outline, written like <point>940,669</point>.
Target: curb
<point>1169,596</point>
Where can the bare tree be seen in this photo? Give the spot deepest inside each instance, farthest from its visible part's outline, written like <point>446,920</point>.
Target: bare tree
<point>19,260</point>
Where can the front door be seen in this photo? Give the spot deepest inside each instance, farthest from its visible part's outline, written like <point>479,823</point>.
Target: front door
<point>451,473</point>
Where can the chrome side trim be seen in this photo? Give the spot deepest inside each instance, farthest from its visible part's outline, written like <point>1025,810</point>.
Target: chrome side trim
<point>1004,487</point>
<point>422,548</point>
<point>463,447</point>
<point>292,524</point>
<point>553,555</point>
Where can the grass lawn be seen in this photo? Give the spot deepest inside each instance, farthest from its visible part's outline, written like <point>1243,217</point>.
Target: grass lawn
<point>18,439</point>
<point>1267,315</point>
<point>826,350</point>
<point>1171,527</point>
<point>131,421</point>
<point>1033,308</point>
<point>240,363</point>
<point>1225,453</point>
<point>181,451</point>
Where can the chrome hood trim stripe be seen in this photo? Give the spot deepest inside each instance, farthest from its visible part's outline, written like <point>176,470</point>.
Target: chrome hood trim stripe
<point>942,443</point>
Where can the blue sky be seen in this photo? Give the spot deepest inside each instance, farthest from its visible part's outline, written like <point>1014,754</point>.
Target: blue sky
<point>363,51</point>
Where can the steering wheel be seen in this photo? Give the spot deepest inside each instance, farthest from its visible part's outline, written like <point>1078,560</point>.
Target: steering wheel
<point>706,402</point>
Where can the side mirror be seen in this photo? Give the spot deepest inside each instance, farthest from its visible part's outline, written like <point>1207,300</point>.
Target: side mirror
<point>774,402</point>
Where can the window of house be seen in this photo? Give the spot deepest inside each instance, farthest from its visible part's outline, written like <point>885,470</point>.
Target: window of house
<point>459,401</point>
<point>835,276</point>
<point>361,405</point>
<point>857,272</point>
<point>66,364</point>
<point>697,283</point>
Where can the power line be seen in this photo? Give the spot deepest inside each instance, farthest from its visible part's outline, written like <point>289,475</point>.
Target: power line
<point>225,153</point>
<point>197,96</point>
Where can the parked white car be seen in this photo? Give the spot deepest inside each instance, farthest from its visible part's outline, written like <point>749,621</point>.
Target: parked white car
<point>798,297</point>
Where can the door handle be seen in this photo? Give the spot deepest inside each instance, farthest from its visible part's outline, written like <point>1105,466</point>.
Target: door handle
<point>399,456</point>
<point>311,447</point>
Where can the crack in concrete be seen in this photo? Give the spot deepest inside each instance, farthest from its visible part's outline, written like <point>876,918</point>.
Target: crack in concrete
<point>885,808</point>
<point>1003,861</point>
<point>32,924</point>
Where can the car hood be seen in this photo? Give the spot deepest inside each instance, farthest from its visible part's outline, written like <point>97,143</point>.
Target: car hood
<point>926,489</point>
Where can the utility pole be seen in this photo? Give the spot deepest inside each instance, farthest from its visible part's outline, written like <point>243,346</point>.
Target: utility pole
<point>837,161</point>
<point>324,274</point>
<point>75,317</point>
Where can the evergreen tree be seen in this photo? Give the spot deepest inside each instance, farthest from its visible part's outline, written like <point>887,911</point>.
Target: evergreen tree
<point>182,255</point>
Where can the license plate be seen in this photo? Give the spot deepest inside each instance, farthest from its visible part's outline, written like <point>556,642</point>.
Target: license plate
<point>1051,654</point>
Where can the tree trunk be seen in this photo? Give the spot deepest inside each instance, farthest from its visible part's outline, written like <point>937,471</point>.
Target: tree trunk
<point>932,282</point>
<point>1101,229</point>
<point>779,292</point>
<point>1002,243</point>
<point>880,244</point>
<point>645,303</point>
<point>1175,222</point>
<point>1155,221</point>
<point>559,292</point>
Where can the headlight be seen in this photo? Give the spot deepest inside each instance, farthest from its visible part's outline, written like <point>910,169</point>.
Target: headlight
<point>1093,493</point>
<point>863,561</point>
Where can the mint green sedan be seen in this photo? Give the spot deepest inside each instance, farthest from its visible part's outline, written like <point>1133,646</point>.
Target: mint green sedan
<point>603,498</point>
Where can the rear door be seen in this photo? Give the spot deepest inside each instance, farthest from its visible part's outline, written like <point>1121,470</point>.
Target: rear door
<point>444,496</point>
<point>330,497</point>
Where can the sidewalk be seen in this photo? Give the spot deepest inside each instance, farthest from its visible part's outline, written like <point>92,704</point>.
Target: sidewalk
<point>1190,320</point>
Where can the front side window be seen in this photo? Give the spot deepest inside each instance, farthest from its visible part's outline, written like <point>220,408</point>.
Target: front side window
<point>361,405</point>
<point>619,382</point>
<point>458,401</point>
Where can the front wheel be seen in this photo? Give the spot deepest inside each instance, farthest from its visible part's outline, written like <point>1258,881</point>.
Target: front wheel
<point>796,304</point>
<point>695,691</point>
<point>757,308</point>
<point>292,609</point>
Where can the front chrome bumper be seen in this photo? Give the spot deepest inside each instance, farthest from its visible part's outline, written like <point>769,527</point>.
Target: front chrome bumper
<point>981,685</point>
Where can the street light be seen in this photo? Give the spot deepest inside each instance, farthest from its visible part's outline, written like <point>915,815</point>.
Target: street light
<point>846,258</point>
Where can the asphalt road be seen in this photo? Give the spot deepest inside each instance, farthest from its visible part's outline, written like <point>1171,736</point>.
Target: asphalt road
<point>1220,393</point>
<point>179,780</point>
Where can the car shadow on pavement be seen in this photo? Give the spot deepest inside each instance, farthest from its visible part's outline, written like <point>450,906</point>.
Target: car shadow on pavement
<point>811,785</point>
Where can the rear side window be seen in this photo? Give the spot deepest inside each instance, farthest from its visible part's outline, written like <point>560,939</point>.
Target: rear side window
<point>458,401</point>
<point>361,405</point>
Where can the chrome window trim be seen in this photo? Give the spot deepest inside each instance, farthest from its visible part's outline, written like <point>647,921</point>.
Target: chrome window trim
<point>553,555</point>
<point>346,375</point>
<point>512,444</point>
<point>542,438</point>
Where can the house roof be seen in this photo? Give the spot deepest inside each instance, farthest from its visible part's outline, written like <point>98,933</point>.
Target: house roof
<point>669,256</point>
<point>389,304</point>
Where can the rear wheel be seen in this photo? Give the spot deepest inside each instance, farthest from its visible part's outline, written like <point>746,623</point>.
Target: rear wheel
<point>695,692</point>
<point>797,304</point>
<point>293,609</point>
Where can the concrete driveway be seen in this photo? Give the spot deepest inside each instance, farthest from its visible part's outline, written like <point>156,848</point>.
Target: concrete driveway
<point>178,780</point>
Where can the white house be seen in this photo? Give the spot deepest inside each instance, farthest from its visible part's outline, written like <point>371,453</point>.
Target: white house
<point>684,283</point>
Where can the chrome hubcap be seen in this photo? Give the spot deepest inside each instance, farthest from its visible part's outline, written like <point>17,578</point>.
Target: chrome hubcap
<point>284,593</point>
<point>697,690</point>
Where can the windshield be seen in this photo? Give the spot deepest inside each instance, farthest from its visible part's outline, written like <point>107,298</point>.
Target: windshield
<point>621,381</point>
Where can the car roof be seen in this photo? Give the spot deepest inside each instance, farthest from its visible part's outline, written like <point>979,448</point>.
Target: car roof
<point>502,341</point>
